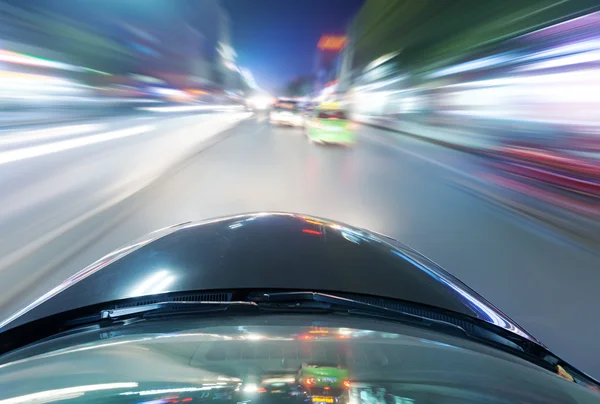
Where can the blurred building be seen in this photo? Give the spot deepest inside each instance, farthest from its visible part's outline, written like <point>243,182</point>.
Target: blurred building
<point>138,43</point>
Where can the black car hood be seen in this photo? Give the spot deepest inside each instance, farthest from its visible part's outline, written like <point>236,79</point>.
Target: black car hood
<point>265,251</point>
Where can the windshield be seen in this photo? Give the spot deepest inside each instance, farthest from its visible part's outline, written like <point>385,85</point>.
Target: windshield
<point>434,152</point>
<point>331,115</point>
<point>276,360</point>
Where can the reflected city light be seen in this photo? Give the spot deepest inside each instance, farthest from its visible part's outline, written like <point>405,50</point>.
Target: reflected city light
<point>65,393</point>
<point>155,283</point>
<point>250,388</point>
<point>254,337</point>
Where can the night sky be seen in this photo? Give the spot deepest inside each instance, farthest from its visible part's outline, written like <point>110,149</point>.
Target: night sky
<point>277,39</point>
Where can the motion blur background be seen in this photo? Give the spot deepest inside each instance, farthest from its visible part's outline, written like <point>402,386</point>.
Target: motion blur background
<point>478,136</point>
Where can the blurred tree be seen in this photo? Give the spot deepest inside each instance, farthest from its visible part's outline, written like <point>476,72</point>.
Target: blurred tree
<point>85,47</point>
<point>430,33</point>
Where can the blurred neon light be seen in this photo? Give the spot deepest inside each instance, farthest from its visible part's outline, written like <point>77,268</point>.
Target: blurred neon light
<point>313,222</point>
<point>41,150</point>
<point>309,231</point>
<point>332,42</point>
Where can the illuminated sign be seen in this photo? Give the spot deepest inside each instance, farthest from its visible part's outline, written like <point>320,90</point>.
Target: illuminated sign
<point>332,42</point>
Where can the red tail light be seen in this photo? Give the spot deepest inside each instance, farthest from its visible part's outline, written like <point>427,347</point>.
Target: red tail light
<point>347,384</point>
<point>309,381</point>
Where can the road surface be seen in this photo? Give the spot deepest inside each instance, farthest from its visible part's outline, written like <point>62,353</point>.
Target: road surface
<point>64,209</point>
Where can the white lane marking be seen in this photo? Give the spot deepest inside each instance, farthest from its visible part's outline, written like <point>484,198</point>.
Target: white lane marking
<point>48,133</point>
<point>422,157</point>
<point>185,108</point>
<point>41,150</point>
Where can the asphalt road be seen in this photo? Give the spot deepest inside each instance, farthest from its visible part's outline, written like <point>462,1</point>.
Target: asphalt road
<point>102,195</point>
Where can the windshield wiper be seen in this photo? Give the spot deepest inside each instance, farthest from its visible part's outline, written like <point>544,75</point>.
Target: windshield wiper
<point>317,300</point>
<point>162,308</point>
<point>297,302</point>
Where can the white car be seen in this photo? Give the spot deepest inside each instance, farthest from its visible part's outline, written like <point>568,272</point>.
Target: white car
<point>286,113</point>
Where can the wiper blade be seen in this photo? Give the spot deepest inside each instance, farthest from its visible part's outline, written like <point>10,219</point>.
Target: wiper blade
<point>177,307</point>
<point>319,300</point>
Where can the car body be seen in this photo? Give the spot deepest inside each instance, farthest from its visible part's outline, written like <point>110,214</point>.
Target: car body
<point>329,123</point>
<point>286,112</point>
<point>248,307</point>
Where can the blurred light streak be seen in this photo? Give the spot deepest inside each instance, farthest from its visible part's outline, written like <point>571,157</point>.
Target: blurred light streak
<point>19,58</point>
<point>187,108</point>
<point>68,392</point>
<point>576,47</point>
<point>41,134</point>
<point>584,57</point>
<point>41,150</point>
<point>472,65</point>
<point>382,59</point>
<point>173,390</point>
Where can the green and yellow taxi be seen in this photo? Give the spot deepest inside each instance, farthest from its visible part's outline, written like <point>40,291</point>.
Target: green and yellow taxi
<point>329,123</point>
<point>325,383</point>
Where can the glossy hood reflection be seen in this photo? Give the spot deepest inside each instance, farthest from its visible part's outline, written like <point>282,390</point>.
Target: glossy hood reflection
<point>267,251</point>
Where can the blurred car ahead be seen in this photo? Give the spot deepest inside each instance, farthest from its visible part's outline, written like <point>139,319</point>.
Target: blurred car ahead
<point>325,382</point>
<point>286,113</point>
<point>329,123</point>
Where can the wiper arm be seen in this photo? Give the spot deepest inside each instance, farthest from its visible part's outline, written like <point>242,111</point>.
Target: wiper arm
<point>319,300</point>
<point>177,307</point>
